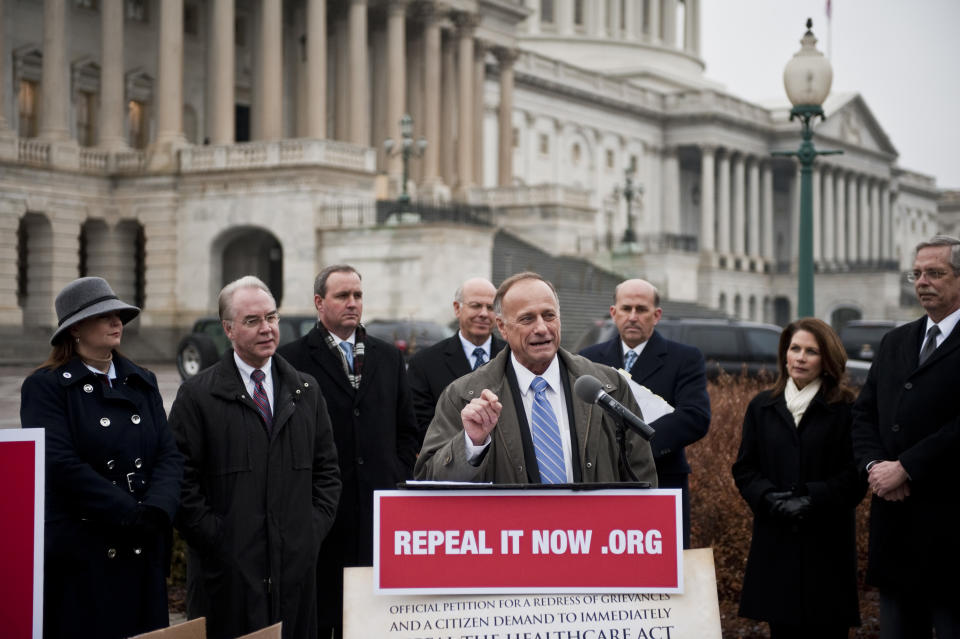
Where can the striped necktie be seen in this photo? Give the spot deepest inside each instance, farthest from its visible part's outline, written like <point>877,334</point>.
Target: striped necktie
<point>260,397</point>
<point>347,349</point>
<point>931,345</point>
<point>630,361</point>
<point>546,436</point>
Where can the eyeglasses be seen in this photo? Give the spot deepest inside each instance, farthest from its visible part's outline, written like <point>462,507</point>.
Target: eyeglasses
<point>931,274</point>
<point>253,321</point>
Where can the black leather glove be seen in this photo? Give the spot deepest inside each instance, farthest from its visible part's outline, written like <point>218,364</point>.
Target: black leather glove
<point>146,520</point>
<point>773,499</point>
<point>793,508</point>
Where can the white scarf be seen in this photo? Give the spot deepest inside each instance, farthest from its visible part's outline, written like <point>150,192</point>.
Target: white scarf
<point>798,399</point>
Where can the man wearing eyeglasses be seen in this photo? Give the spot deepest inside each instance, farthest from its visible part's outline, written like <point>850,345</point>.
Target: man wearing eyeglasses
<point>432,369</point>
<point>261,481</point>
<point>365,384</point>
<point>906,434</point>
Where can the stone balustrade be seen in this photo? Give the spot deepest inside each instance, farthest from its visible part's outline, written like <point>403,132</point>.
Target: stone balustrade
<point>34,152</point>
<point>536,195</point>
<point>292,152</point>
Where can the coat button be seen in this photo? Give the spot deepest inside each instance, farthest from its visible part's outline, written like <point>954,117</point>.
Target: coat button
<point>306,385</point>
<point>895,428</point>
<point>446,462</point>
<point>298,391</point>
<point>111,553</point>
<point>111,465</point>
<point>589,465</point>
<point>359,461</point>
<point>135,419</point>
<point>356,412</point>
<point>137,551</point>
<point>908,385</point>
<point>137,463</point>
<point>88,388</point>
<point>67,375</point>
<point>104,421</point>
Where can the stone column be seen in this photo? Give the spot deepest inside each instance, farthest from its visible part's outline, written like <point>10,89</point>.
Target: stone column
<point>886,238</point>
<point>268,118</point>
<point>865,214</point>
<point>707,198</point>
<point>653,16</point>
<point>479,79</point>
<point>671,192</point>
<point>221,79</point>
<point>630,21</point>
<point>341,81</point>
<point>466,23</point>
<point>723,203</point>
<point>876,252</point>
<point>767,204</point>
<point>169,90</point>
<point>739,206</point>
<point>110,123</point>
<point>506,58</point>
<point>829,220</point>
<point>840,192</point>
<point>4,124</point>
<point>693,15</point>
<point>853,249</point>
<point>817,215</point>
<point>317,68</point>
<point>669,23</point>
<point>448,116</point>
<point>431,95</point>
<point>358,75</point>
<point>55,83</point>
<point>396,78</point>
<point>688,23</point>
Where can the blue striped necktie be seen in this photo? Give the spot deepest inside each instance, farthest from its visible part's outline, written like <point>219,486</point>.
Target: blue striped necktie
<point>479,357</point>
<point>546,436</point>
<point>630,361</point>
<point>260,397</point>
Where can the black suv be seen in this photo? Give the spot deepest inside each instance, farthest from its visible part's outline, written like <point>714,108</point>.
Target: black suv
<point>207,341</point>
<point>861,338</point>
<point>733,346</point>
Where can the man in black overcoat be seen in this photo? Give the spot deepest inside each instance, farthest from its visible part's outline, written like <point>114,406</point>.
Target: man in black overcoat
<point>674,371</point>
<point>433,368</point>
<point>365,384</point>
<point>907,440</point>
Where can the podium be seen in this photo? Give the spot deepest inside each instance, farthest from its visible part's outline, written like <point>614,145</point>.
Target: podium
<point>510,562</point>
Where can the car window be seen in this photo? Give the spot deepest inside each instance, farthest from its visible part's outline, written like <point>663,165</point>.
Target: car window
<point>715,342</point>
<point>214,329</point>
<point>762,343</point>
<point>288,332</point>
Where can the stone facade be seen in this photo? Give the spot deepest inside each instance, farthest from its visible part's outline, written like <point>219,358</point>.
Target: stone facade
<point>127,151</point>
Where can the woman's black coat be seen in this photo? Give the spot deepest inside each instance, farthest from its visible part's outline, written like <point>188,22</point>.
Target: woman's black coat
<point>800,572</point>
<point>104,572</point>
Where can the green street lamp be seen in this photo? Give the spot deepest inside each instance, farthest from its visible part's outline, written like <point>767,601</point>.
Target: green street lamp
<point>807,79</point>
<point>408,148</point>
<point>628,192</point>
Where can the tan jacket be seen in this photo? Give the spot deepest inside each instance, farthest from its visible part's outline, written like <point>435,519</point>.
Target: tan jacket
<point>443,456</point>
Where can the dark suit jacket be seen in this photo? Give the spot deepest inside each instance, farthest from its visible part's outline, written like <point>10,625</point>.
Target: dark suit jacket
<point>677,373</point>
<point>910,412</point>
<point>375,431</point>
<point>432,369</point>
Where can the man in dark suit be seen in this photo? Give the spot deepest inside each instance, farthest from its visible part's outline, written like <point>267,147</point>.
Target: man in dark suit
<point>375,430</point>
<point>906,438</point>
<point>673,371</point>
<point>431,369</point>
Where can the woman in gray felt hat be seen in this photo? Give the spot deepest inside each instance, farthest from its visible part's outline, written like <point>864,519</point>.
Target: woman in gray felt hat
<point>112,473</point>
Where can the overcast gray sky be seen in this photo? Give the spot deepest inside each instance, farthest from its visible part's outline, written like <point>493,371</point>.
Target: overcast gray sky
<point>902,56</point>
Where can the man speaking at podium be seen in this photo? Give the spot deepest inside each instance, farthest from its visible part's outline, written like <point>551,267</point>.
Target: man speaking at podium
<point>517,421</point>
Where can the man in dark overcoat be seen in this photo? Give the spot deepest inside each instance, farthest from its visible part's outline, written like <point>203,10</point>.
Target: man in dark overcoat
<point>364,381</point>
<point>907,440</point>
<point>261,481</point>
<point>433,368</point>
<point>674,371</point>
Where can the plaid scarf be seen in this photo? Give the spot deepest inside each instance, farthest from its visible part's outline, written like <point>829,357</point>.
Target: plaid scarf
<point>359,337</point>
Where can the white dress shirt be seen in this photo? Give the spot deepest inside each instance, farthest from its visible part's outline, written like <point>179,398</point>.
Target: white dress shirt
<point>246,370</point>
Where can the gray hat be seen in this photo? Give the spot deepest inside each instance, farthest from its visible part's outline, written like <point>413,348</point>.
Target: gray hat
<point>88,297</point>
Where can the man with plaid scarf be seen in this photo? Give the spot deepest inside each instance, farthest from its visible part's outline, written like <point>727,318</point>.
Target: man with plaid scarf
<point>364,382</point>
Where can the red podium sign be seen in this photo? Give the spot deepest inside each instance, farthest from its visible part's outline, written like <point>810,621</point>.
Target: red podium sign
<point>527,541</point>
<point>21,535</point>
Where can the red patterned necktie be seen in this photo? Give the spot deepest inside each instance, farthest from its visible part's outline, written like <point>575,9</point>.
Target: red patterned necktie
<point>260,397</point>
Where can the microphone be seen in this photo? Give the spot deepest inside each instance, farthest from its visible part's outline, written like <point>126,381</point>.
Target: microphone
<point>589,389</point>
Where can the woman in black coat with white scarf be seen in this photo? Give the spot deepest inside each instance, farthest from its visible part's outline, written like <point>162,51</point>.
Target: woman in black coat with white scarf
<point>112,473</point>
<point>796,470</point>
